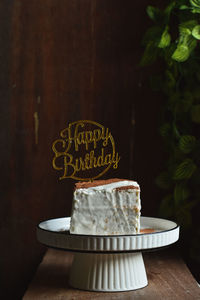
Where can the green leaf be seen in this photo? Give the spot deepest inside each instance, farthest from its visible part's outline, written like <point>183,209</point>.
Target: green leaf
<point>169,8</point>
<point>186,42</point>
<point>184,32</point>
<point>168,55</point>
<point>165,129</point>
<point>174,98</point>
<point>181,193</point>
<point>195,113</point>
<point>191,43</point>
<point>150,54</point>
<point>176,131</point>
<point>153,12</point>
<point>196,6</point>
<point>185,170</point>
<point>196,10</point>
<point>170,80</point>
<point>186,27</point>
<point>181,53</point>
<point>195,3</point>
<point>187,100</point>
<point>182,7</point>
<point>187,143</point>
<point>165,39</point>
<point>163,180</point>
<point>196,32</point>
<point>184,48</point>
<point>166,208</point>
<point>184,217</point>
<point>189,205</point>
<point>152,35</point>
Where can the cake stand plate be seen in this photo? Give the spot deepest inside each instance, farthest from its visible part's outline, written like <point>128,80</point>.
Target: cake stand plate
<point>108,263</point>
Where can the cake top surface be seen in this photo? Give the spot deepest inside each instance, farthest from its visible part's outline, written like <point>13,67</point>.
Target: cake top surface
<point>119,184</point>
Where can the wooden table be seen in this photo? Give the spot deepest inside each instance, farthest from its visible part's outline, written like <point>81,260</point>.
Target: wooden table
<point>168,276</point>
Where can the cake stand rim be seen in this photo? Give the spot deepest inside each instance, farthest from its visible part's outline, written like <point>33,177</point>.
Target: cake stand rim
<point>107,251</point>
<point>110,236</point>
<point>83,249</point>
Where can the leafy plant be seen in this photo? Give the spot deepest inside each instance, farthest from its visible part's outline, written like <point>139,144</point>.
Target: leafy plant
<point>174,38</point>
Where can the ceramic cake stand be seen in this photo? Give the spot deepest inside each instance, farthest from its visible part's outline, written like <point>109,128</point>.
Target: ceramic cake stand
<point>108,263</point>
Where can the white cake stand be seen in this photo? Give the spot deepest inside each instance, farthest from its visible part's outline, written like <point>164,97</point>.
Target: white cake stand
<point>108,263</point>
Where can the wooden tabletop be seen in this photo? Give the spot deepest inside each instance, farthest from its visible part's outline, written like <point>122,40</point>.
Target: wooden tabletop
<point>168,277</point>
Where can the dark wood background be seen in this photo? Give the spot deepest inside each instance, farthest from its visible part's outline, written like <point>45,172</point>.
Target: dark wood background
<point>62,61</point>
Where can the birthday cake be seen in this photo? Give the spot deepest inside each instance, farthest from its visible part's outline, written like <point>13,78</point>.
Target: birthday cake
<point>106,207</point>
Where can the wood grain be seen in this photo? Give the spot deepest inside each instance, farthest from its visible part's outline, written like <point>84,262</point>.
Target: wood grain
<point>168,278</point>
<point>65,60</point>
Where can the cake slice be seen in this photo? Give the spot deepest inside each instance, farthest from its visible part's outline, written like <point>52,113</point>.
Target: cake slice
<point>106,207</point>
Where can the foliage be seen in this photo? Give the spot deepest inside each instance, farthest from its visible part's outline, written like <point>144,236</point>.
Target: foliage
<point>174,39</point>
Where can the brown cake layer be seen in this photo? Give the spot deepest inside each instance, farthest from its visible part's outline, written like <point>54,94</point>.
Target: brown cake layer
<point>127,187</point>
<point>147,230</point>
<point>88,184</point>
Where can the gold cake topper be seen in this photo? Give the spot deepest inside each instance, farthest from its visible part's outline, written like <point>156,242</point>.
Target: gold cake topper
<point>82,153</point>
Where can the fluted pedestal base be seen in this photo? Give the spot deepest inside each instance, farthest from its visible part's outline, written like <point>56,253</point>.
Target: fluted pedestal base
<point>108,272</point>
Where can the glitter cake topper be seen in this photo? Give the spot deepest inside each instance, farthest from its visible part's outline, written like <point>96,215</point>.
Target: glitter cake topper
<point>84,151</point>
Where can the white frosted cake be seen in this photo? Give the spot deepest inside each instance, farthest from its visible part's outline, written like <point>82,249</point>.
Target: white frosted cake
<point>106,207</point>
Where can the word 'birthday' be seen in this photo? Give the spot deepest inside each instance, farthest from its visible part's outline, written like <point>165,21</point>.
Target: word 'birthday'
<point>73,138</point>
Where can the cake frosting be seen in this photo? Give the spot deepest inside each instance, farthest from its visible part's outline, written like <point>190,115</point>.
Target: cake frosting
<point>106,207</point>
